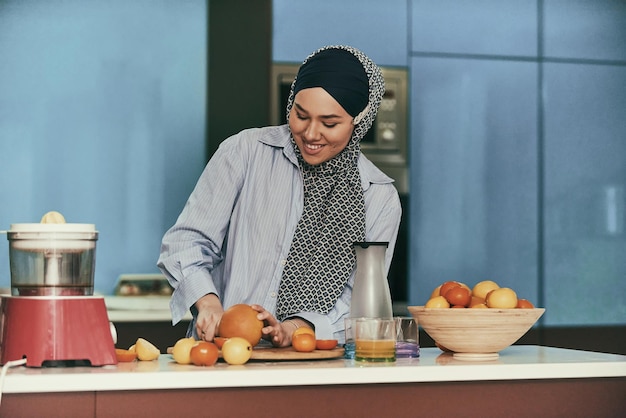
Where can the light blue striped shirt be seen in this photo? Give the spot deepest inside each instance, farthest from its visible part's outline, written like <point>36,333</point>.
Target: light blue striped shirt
<point>234,233</point>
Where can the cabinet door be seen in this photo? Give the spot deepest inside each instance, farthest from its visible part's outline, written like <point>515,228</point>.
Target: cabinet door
<point>585,29</point>
<point>492,27</point>
<point>474,174</point>
<point>379,28</point>
<point>585,183</point>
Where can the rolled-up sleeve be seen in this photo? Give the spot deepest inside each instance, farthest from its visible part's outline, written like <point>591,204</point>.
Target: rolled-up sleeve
<point>192,249</point>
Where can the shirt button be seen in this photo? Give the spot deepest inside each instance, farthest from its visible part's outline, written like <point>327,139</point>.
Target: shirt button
<point>273,294</point>
<point>284,262</point>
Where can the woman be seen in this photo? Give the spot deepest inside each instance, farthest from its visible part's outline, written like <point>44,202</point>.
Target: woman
<point>273,216</point>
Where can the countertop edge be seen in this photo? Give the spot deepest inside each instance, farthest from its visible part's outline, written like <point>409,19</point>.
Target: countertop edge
<point>165,374</point>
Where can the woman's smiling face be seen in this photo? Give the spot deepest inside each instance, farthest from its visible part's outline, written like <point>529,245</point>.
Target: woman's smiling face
<point>319,125</point>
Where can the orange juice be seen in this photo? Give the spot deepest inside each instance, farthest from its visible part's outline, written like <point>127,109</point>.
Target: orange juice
<point>375,350</point>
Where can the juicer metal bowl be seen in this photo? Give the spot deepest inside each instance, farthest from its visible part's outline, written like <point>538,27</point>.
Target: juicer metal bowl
<point>52,259</point>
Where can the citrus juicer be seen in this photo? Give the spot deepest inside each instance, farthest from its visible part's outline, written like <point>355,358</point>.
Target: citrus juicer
<point>52,317</point>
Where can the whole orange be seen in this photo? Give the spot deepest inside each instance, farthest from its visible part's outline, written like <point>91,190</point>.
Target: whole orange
<point>204,353</point>
<point>465,286</point>
<point>240,321</point>
<point>460,296</point>
<point>525,304</point>
<point>303,342</point>
<point>447,286</point>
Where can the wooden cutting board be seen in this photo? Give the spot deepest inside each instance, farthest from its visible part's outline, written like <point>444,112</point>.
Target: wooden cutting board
<point>288,354</point>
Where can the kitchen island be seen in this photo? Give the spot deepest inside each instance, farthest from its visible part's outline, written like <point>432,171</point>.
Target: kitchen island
<point>522,381</point>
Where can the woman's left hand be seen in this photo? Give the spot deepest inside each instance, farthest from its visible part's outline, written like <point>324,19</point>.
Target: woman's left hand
<point>278,333</point>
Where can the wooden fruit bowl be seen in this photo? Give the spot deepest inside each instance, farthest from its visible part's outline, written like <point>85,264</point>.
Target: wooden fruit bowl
<point>475,334</point>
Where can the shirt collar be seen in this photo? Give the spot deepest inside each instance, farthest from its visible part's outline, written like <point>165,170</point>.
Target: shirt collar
<point>278,136</point>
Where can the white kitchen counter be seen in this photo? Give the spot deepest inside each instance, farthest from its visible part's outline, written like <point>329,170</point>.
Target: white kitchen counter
<point>514,363</point>
<point>139,309</point>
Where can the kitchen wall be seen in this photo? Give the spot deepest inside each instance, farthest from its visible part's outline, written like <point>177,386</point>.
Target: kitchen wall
<point>518,157</point>
<point>102,117</point>
<point>518,113</point>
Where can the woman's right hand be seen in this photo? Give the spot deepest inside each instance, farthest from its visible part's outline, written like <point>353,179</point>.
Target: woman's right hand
<point>210,313</point>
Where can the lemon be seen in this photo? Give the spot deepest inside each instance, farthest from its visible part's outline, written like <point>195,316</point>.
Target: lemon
<point>502,298</point>
<point>146,351</point>
<point>182,350</point>
<point>52,217</point>
<point>482,288</point>
<point>437,302</point>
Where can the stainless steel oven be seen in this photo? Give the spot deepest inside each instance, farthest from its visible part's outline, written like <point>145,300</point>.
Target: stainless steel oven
<point>386,144</point>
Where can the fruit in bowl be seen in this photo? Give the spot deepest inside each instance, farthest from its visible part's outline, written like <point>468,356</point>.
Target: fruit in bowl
<point>476,334</point>
<point>485,294</point>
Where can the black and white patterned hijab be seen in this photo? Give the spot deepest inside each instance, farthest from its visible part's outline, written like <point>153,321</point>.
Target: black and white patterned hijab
<point>321,258</point>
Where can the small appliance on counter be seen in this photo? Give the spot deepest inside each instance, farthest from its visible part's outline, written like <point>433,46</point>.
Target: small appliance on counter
<point>52,317</point>
<point>143,285</point>
<point>145,293</point>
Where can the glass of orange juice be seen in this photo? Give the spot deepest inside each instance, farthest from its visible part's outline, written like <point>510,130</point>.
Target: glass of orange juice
<point>375,340</point>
